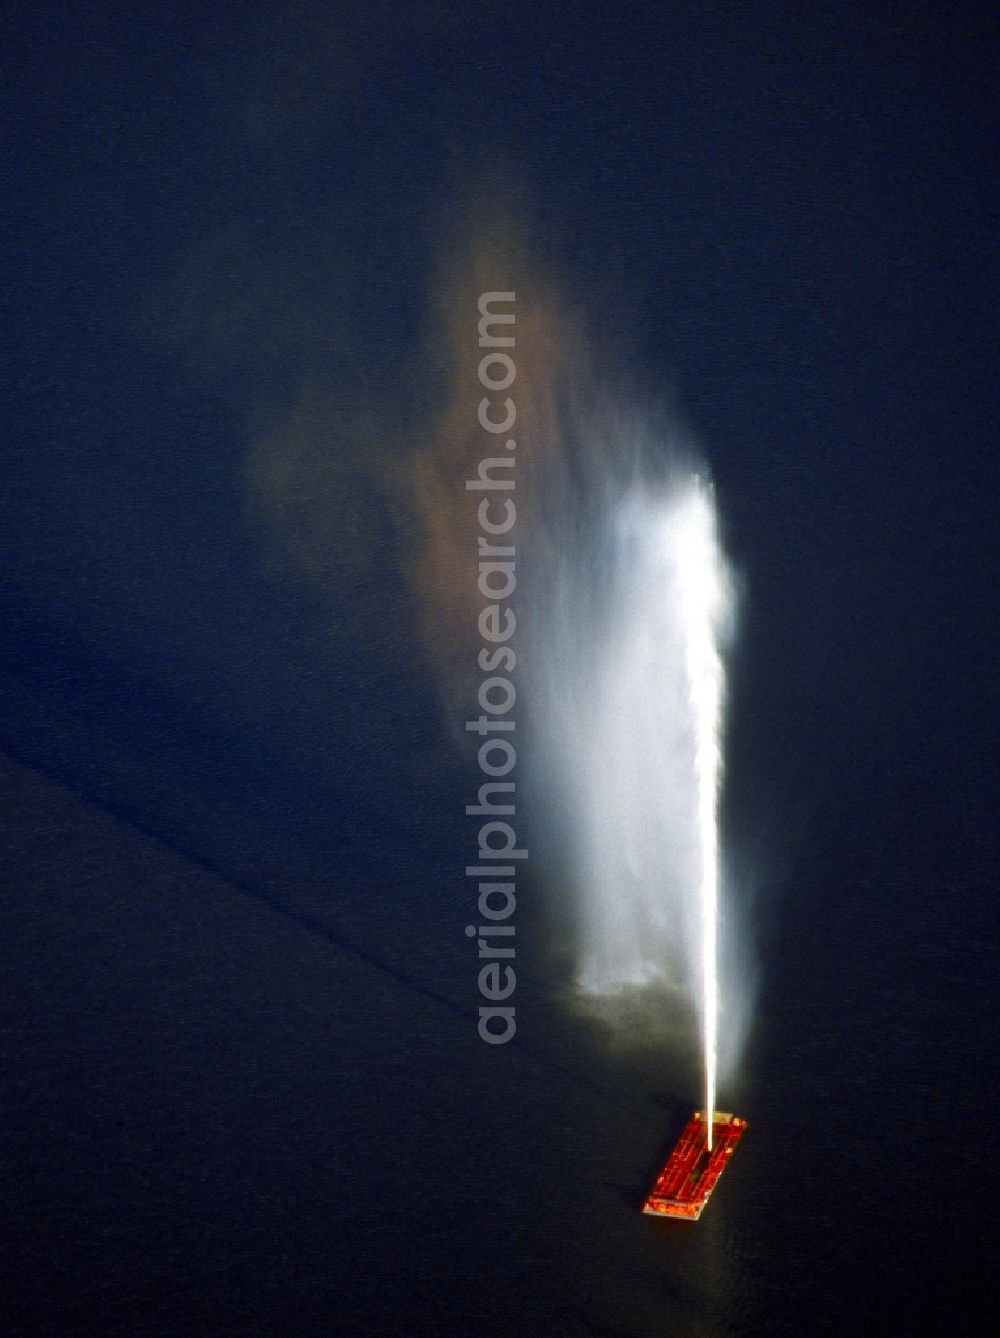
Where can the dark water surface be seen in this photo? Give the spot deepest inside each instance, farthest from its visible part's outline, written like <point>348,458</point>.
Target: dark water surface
<point>243,1090</point>
<point>246,1095</point>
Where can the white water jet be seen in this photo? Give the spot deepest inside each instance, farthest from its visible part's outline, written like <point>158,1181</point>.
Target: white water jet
<point>703,599</point>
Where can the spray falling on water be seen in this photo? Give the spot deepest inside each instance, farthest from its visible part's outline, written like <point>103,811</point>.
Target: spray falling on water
<point>633,721</point>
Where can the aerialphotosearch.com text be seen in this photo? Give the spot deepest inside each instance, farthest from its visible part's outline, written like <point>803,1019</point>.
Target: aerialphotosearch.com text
<point>498,852</point>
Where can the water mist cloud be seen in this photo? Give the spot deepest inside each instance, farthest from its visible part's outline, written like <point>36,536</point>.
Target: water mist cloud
<point>358,456</point>
<point>623,687</point>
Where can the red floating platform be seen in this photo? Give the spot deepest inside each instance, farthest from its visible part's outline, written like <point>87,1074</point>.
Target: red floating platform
<point>683,1186</point>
